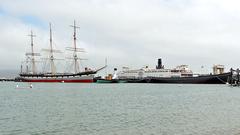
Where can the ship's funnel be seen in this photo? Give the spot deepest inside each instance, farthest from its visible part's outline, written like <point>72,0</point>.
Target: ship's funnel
<point>115,74</point>
<point>159,66</point>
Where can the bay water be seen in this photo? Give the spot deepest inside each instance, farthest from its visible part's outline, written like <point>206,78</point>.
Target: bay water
<point>118,109</point>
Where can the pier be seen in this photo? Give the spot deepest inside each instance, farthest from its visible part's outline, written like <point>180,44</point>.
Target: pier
<point>6,79</point>
<point>234,79</point>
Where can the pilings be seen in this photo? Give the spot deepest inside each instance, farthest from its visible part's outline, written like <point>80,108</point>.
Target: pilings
<point>234,77</point>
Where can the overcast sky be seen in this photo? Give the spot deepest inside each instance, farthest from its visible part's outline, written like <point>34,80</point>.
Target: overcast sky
<point>130,33</point>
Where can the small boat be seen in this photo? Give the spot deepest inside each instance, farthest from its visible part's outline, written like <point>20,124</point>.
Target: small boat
<point>107,81</point>
<point>26,87</point>
<point>110,78</point>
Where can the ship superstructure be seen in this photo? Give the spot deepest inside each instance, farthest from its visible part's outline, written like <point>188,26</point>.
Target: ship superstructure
<point>160,71</point>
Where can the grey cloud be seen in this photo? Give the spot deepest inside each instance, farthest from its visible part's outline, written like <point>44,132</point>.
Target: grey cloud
<point>135,33</point>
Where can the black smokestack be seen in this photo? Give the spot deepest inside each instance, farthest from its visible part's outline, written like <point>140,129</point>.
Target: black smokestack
<point>159,66</point>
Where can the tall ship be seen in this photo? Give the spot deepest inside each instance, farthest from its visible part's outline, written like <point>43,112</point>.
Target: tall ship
<point>29,72</point>
<point>179,74</point>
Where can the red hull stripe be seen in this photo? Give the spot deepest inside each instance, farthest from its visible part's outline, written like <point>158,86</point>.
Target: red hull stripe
<point>65,81</point>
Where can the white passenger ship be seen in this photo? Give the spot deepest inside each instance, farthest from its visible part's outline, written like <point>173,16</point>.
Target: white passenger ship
<point>179,71</point>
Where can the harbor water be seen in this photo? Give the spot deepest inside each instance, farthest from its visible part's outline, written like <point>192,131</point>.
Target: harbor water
<point>119,109</point>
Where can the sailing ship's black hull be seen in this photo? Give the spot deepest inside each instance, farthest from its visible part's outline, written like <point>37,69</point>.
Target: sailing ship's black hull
<point>206,79</point>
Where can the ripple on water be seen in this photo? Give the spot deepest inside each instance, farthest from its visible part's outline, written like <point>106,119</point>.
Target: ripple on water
<point>119,109</point>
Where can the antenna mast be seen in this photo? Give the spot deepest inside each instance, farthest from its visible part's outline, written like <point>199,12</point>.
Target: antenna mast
<point>75,57</point>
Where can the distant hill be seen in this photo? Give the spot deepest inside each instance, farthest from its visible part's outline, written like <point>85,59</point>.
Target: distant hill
<point>8,73</point>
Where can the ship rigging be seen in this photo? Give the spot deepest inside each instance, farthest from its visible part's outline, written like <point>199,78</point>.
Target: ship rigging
<point>86,75</point>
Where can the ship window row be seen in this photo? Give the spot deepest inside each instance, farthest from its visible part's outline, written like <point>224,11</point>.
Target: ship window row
<point>156,71</point>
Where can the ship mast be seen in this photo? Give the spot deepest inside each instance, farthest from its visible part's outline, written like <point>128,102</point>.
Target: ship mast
<point>75,57</point>
<point>50,51</point>
<point>32,53</point>
<point>52,65</point>
<point>27,60</point>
